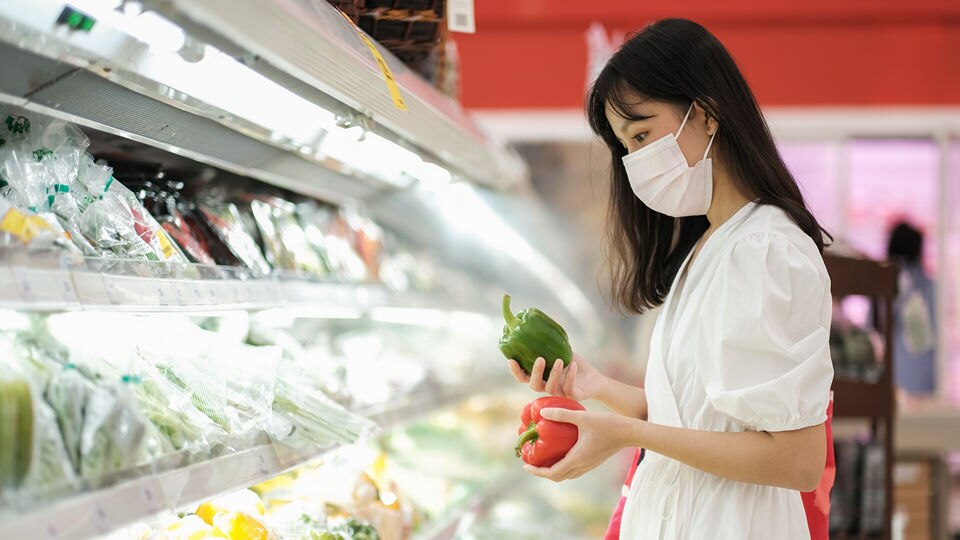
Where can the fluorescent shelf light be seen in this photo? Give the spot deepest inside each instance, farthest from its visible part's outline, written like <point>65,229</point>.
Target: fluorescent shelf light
<point>211,76</point>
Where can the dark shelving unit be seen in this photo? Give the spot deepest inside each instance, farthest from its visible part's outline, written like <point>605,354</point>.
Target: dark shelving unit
<point>872,400</point>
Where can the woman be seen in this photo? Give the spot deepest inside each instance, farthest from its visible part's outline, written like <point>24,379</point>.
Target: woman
<point>706,220</point>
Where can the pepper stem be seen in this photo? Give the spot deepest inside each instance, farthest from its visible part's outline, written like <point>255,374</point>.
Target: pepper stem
<point>529,435</point>
<point>508,315</point>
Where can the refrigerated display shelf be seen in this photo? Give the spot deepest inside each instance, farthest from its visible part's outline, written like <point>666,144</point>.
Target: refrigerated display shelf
<point>95,513</point>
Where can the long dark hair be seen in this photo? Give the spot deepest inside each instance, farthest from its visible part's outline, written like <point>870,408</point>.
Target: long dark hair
<point>677,61</point>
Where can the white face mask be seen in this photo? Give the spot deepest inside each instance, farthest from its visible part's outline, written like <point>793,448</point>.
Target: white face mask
<point>661,178</point>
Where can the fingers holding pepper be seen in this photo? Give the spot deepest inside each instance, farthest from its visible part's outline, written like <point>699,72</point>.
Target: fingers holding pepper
<point>554,385</point>
<point>536,375</point>
<point>596,442</point>
<point>518,373</point>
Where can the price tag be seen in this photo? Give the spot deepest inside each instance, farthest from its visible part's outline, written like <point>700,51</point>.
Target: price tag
<point>23,284</point>
<point>392,87</point>
<point>460,16</point>
<point>113,290</point>
<point>67,289</point>
<point>165,294</point>
<point>181,293</point>
<point>238,295</point>
<point>262,464</point>
<point>152,499</point>
<point>212,297</point>
<point>102,519</point>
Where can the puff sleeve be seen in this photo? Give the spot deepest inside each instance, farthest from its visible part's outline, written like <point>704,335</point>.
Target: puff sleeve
<point>765,360</point>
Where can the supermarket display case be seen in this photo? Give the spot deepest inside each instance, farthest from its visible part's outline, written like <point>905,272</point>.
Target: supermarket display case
<point>276,107</point>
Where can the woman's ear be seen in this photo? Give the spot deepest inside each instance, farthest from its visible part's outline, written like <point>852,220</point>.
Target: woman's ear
<point>703,115</point>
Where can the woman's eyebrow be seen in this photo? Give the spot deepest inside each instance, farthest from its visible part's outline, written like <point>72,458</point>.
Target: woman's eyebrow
<point>625,124</point>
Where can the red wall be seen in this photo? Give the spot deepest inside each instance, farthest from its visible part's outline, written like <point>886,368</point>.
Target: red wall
<point>533,53</point>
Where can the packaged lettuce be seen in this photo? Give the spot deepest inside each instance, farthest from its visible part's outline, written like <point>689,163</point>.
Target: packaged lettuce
<point>67,394</point>
<point>52,474</point>
<point>172,411</point>
<point>114,436</point>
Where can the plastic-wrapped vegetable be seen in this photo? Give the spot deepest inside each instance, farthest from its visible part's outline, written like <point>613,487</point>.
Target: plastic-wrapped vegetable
<point>23,227</point>
<point>16,431</point>
<point>173,412</point>
<point>283,238</point>
<point>114,436</point>
<point>308,214</point>
<point>339,243</point>
<point>110,225</point>
<point>67,395</point>
<point>306,418</point>
<point>119,222</point>
<point>207,395</point>
<point>40,161</point>
<point>224,219</point>
<point>52,473</point>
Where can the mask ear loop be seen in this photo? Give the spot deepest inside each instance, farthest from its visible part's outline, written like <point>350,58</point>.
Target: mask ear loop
<point>709,144</point>
<point>679,131</point>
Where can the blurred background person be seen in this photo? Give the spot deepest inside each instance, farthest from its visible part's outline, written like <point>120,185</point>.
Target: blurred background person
<point>914,353</point>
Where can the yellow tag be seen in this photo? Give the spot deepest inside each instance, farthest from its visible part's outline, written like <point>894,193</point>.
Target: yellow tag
<point>165,244</point>
<point>384,68</point>
<point>23,226</point>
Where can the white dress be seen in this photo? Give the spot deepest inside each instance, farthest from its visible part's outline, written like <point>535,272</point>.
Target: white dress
<point>741,344</point>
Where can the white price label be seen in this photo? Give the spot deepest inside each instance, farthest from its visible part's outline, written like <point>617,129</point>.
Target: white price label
<point>23,284</point>
<point>262,464</point>
<point>238,295</point>
<point>460,16</point>
<point>68,290</point>
<point>166,295</point>
<point>113,290</point>
<point>151,499</point>
<point>102,519</point>
<point>181,294</point>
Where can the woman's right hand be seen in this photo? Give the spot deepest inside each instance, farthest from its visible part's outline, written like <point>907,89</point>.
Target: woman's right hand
<point>578,381</point>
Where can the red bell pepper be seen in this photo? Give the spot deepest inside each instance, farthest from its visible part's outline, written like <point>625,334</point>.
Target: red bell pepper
<point>544,442</point>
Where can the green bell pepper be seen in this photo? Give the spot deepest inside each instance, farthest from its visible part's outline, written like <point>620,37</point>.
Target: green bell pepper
<point>531,334</point>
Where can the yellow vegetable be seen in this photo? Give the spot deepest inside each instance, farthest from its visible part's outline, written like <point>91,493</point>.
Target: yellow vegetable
<point>188,528</point>
<point>242,526</point>
<point>240,501</point>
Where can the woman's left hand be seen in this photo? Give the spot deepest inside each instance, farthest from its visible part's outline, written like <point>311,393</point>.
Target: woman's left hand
<point>599,436</point>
